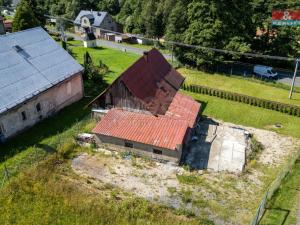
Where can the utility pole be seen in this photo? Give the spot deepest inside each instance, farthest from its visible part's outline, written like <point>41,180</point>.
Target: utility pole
<point>294,79</point>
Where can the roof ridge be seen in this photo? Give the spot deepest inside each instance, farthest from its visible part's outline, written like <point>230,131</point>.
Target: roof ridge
<point>20,31</point>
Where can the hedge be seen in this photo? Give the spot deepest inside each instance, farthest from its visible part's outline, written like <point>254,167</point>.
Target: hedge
<point>258,102</point>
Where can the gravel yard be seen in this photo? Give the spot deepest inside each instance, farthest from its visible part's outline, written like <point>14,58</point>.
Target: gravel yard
<point>226,198</point>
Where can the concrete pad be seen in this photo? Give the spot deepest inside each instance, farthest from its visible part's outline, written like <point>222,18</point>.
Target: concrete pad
<point>219,147</point>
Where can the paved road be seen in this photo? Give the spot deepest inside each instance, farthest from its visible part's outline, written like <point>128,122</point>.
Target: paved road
<point>284,76</point>
<point>119,46</point>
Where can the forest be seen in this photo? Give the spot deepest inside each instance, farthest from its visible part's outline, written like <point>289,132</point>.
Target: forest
<point>230,25</point>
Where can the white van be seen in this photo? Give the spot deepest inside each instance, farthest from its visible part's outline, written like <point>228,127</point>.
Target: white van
<point>265,72</point>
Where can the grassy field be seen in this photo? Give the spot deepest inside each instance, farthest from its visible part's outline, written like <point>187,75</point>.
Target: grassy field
<point>249,86</point>
<point>247,115</point>
<point>284,208</point>
<point>44,190</point>
<point>116,60</point>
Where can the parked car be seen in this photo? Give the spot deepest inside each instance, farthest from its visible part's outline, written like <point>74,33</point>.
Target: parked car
<point>265,72</point>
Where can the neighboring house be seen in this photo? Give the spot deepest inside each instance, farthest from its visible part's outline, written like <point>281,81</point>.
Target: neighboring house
<point>98,22</point>
<point>37,79</point>
<point>2,28</point>
<point>147,114</point>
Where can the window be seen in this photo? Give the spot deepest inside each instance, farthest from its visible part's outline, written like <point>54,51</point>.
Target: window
<point>128,144</point>
<point>24,117</point>
<point>1,130</point>
<point>158,152</point>
<point>38,107</point>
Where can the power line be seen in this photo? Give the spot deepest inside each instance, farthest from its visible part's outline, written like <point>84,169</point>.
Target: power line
<point>282,58</point>
<point>173,43</point>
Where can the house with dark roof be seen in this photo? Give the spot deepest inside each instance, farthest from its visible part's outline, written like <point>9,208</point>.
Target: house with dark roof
<point>37,79</point>
<point>97,22</point>
<point>146,112</point>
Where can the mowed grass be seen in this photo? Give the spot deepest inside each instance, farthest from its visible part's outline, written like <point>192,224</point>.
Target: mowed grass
<point>285,205</point>
<point>247,115</point>
<point>240,85</point>
<point>116,60</point>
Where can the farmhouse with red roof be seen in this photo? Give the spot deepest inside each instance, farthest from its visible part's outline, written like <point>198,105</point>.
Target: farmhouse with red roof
<point>147,114</point>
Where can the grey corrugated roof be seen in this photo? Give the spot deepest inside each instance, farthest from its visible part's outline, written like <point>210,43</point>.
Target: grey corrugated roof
<point>98,16</point>
<point>36,65</point>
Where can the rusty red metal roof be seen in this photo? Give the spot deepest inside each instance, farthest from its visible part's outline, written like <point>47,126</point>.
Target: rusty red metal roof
<point>184,107</point>
<point>153,80</point>
<point>165,132</point>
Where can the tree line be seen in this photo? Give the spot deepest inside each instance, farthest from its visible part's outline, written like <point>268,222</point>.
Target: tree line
<point>230,25</point>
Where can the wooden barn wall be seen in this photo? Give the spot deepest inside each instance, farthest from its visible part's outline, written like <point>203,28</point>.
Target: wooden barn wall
<point>121,98</point>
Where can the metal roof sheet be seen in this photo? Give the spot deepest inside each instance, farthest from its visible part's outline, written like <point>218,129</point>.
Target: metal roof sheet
<point>164,132</point>
<point>184,107</point>
<point>36,65</point>
<point>153,80</point>
<point>96,15</point>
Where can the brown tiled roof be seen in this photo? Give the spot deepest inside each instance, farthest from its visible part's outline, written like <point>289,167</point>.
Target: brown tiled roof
<point>164,132</point>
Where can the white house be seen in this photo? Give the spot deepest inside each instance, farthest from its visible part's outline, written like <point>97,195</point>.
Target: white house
<point>97,22</point>
<point>37,79</point>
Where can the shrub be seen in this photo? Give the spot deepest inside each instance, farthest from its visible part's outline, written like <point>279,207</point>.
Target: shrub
<point>256,149</point>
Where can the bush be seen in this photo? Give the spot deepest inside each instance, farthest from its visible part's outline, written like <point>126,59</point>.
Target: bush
<point>256,149</point>
<point>70,38</point>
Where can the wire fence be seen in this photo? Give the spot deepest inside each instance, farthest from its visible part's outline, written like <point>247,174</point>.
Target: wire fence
<point>260,212</point>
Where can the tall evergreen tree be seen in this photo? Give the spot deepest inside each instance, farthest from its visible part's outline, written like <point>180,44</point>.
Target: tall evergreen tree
<point>111,6</point>
<point>24,17</point>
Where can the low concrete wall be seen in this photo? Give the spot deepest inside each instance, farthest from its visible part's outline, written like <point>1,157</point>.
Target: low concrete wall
<point>51,101</point>
<point>117,144</point>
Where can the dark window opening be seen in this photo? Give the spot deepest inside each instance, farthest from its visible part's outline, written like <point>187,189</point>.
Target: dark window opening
<point>38,107</point>
<point>128,144</point>
<point>1,130</point>
<point>24,117</point>
<point>158,152</point>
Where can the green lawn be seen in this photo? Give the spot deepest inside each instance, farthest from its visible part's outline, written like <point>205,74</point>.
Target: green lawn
<point>116,60</point>
<point>47,192</point>
<point>247,115</point>
<point>147,47</point>
<point>240,85</point>
<point>286,202</point>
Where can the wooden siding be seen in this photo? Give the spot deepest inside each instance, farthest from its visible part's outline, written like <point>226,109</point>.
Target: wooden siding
<point>118,96</point>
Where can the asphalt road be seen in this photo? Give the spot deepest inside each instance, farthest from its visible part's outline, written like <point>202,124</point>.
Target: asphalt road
<point>119,46</point>
<point>243,70</point>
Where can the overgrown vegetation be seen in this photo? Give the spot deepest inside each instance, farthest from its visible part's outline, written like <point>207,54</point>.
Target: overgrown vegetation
<point>93,75</point>
<point>256,148</point>
<point>284,206</point>
<point>50,193</point>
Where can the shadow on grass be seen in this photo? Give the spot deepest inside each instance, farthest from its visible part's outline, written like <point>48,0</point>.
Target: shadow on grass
<point>285,212</point>
<point>63,120</point>
<point>98,48</point>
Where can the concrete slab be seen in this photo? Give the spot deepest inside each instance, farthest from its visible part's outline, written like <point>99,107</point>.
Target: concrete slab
<point>219,148</point>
